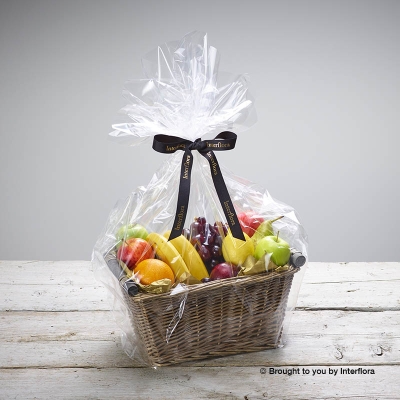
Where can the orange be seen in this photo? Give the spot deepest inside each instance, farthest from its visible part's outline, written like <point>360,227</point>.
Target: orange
<point>151,270</point>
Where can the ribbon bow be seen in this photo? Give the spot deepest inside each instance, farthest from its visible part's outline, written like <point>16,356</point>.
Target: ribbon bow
<point>223,141</point>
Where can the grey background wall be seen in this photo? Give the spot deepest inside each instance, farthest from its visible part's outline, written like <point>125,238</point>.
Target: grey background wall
<point>326,75</point>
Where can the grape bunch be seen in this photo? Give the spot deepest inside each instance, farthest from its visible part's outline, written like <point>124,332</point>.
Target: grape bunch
<point>207,240</point>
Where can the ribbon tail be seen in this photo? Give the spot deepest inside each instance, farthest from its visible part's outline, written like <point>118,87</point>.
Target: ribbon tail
<point>223,195</point>
<point>183,195</point>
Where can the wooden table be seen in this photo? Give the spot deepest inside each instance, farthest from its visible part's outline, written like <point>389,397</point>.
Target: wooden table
<point>58,339</point>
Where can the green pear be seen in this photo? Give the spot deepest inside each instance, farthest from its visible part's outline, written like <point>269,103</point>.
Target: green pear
<point>265,229</point>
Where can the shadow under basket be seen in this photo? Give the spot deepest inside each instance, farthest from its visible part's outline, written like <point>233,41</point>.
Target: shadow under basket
<point>218,318</point>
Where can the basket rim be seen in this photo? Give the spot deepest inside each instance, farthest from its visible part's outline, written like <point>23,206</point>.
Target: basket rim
<point>219,283</point>
<point>239,280</point>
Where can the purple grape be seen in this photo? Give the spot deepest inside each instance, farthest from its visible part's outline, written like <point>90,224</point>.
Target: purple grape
<point>221,228</point>
<point>201,220</point>
<point>194,228</point>
<point>214,262</point>
<point>216,251</point>
<point>218,241</point>
<point>211,239</point>
<point>204,253</point>
<point>195,240</point>
<point>208,266</point>
<point>186,233</point>
<point>207,240</point>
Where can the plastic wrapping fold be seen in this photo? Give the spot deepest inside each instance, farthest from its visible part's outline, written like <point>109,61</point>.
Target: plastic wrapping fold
<point>213,294</point>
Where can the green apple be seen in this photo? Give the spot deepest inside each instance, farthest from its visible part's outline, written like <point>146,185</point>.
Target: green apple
<point>236,251</point>
<point>274,245</point>
<point>130,231</point>
<point>264,229</point>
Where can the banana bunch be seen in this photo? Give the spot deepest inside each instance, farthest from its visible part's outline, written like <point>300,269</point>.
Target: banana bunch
<point>179,254</point>
<point>166,252</point>
<point>190,255</point>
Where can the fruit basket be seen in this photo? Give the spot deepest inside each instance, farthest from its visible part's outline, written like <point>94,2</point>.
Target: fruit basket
<point>207,263</point>
<point>218,318</point>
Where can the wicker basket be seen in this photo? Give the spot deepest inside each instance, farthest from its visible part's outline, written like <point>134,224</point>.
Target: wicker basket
<point>219,318</point>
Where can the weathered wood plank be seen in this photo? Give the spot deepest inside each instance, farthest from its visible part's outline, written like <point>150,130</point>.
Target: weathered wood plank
<point>81,272</point>
<point>318,272</point>
<point>31,326</point>
<point>64,285</point>
<point>196,383</point>
<point>363,296</point>
<point>47,273</point>
<point>28,326</point>
<point>53,298</point>
<point>37,349</point>
<point>91,339</point>
<point>368,296</point>
<point>342,351</point>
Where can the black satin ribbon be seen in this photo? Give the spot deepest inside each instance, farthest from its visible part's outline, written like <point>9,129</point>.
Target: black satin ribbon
<point>223,141</point>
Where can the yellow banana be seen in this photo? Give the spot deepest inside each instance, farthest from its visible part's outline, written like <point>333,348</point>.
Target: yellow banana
<point>167,252</point>
<point>189,254</point>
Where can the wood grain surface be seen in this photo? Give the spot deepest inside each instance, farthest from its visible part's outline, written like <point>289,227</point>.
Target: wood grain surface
<point>59,340</point>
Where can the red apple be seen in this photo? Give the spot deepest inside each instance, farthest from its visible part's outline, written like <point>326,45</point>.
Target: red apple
<point>224,270</point>
<point>250,221</point>
<point>133,251</point>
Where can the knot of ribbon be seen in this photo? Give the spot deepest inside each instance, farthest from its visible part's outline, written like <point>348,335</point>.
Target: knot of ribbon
<point>223,141</point>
